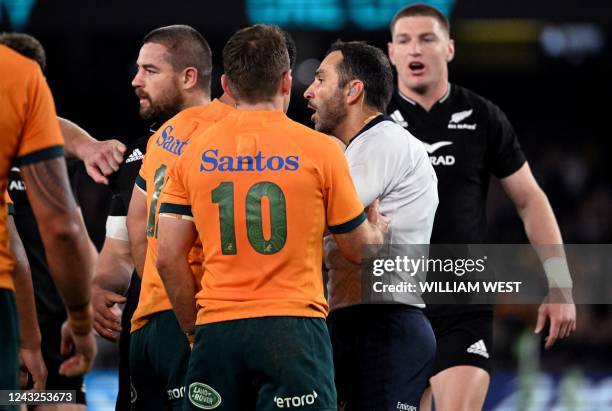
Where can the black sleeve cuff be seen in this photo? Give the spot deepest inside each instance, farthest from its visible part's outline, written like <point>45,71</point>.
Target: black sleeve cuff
<point>141,183</point>
<point>175,209</point>
<point>349,225</point>
<point>41,155</point>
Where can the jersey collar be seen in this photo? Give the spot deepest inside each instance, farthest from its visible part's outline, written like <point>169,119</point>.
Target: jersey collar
<point>378,119</point>
<point>414,103</point>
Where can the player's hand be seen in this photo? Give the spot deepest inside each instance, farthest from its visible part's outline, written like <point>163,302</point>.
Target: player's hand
<point>376,219</point>
<point>85,351</point>
<point>107,315</point>
<point>102,158</point>
<point>31,362</point>
<point>562,315</point>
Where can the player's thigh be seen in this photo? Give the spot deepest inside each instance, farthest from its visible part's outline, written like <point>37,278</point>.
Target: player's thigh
<point>123,395</point>
<point>169,356</point>
<point>290,360</point>
<point>9,343</point>
<point>426,400</point>
<point>216,374</point>
<point>146,392</point>
<point>464,339</point>
<point>392,359</point>
<point>462,366</point>
<point>460,388</point>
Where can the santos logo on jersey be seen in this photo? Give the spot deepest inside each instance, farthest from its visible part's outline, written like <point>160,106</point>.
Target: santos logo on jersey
<point>171,143</point>
<point>212,162</point>
<point>453,124</point>
<point>447,160</point>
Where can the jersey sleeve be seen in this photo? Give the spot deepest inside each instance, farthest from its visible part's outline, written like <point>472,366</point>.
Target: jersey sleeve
<point>344,210</point>
<point>41,138</point>
<point>174,198</point>
<point>504,153</point>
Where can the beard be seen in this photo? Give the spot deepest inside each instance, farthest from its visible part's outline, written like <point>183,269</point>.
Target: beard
<point>331,113</point>
<point>167,106</point>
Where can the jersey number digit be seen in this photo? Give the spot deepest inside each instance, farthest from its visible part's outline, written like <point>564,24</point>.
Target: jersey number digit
<point>160,175</point>
<point>224,196</point>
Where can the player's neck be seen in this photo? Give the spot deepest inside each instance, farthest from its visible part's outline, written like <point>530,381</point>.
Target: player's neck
<point>428,97</point>
<point>276,104</point>
<point>354,122</point>
<point>196,100</point>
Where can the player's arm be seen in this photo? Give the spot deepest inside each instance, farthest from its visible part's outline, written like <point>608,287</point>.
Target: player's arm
<point>110,283</point>
<point>70,254</point>
<point>101,158</point>
<point>137,226</point>
<point>369,231</point>
<point>543,232</point>
<point>176,235</point>
<point>30,355</point>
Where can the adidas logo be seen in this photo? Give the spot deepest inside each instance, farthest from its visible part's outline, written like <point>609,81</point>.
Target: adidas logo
<point>135,156</point>
<point>399,119</point>
<point>479,348</point>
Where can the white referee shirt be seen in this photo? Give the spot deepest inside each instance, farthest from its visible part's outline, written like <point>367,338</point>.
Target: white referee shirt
<point>389,164</point>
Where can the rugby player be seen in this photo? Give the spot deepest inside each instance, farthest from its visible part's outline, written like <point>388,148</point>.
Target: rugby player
<point>260,189</point>
<point>468,139</point>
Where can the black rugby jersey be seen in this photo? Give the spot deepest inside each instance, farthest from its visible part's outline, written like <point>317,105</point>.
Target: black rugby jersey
<point>122,181</point>
<point>468,138</point>
<point>48,301</point>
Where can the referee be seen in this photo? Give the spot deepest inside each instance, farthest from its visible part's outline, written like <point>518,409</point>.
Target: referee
<point>468,139</point>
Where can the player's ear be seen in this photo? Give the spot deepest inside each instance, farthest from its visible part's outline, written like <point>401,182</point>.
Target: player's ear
<point>226,87</point>
<point>286,83</point>
<point>450,54</point>
<point>354,91</point>
<point>190,78</point>
<point>391,52</point>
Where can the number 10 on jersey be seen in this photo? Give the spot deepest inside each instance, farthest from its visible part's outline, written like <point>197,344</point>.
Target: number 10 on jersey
<point>223,195</point>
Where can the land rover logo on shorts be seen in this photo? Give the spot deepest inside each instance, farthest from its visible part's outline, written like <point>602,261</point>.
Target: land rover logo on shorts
<point>133,394</point>
<point>204,396</point>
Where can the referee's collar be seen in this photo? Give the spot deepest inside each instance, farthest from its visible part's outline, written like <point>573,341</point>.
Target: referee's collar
<point>378,119</point>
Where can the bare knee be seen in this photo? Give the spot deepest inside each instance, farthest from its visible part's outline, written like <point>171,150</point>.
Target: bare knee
<point>460,388</point>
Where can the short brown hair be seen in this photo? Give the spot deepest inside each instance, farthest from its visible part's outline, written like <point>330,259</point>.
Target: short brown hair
<point>26,45</point>
<point>254,61</point>
<point>421,10</point>
<point>186,48</point>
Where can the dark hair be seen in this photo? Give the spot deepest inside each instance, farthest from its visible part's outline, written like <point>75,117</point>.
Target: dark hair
<point>421,10</point>
<point>291,49</point>
<point>186,48</point>
<point>370,65</point>
<point>254,61</point>
<point>25,45</point>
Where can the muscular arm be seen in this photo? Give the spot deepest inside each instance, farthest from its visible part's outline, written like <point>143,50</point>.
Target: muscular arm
<point>29,335</point>
<point>175,238</point>
<point>101,158</point>
<point>137,228</point>
<point>543,232</point>
<point>70,256</point>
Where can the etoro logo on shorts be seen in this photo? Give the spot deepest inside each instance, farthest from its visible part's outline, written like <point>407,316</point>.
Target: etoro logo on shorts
<point>297,401</point>
<point>204,396</point>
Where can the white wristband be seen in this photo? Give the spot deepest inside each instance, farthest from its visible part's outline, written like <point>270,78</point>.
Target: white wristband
<point>557,273</point>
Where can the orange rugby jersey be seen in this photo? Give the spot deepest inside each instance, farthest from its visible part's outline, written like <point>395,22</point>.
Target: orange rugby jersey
<point>163,149</point>
<point>261,189</point>
<point>29,128</point>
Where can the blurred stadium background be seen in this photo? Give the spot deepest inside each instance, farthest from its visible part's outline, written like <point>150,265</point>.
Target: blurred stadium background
<point>546,63</point>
